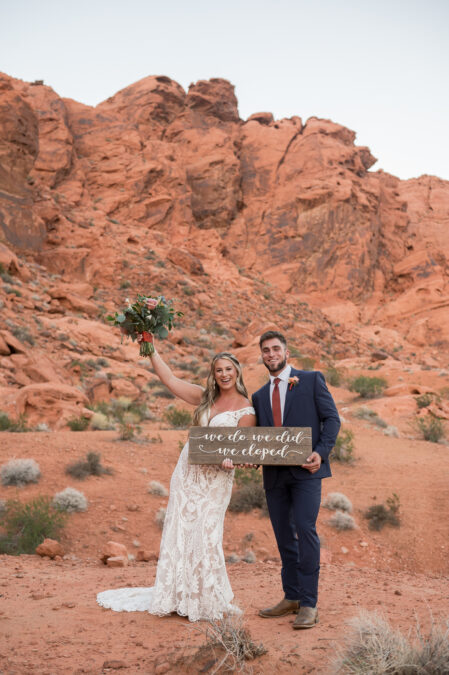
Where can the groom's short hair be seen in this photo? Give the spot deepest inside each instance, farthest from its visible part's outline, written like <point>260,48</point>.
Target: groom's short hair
<point>269,335</point>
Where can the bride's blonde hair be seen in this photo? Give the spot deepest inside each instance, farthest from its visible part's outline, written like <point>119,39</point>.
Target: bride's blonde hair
<point>212,389</point>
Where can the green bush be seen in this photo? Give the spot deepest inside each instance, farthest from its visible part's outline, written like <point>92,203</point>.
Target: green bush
<point>431,428</point>
<point>177,418</point>
<point>91,466</point>
<point>163,393</point>
<point>424,400</point>
<point>22,333</point>
<point>247,497</point>
<point>20,425</point>
<point>128,431</point>
<point>78,423</point>
<point>5,422</point>
<point>333,376</point>
<point>245,476</point>
<point>380,515</point>
<point>368,387</point>
<point>307,363</point>
<point>344,447</point>
<point>27,525</point>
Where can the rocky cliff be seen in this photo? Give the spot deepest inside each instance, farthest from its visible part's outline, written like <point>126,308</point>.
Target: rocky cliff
<point>247,223</point>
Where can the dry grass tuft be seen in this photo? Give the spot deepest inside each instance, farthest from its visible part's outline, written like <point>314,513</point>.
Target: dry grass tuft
<point>337,501</point>
<point>160,517</point>
<point>375,648</point>
<point>342,521</point>
<point>156,488</point>
<point>20,472</point>
<point>228,645</point>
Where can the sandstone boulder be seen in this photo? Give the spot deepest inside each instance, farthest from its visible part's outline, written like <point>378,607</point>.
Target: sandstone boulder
<point>117,561</point>
<point>50,548</point>
<point>113,550</point>
<point>145,556</point>
<point>50,402</point>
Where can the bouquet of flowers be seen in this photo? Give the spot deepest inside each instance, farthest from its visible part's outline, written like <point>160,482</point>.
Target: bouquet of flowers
<point>146,317</point>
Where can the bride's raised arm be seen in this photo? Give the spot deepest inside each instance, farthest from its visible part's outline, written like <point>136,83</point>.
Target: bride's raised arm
<point>191,393</point>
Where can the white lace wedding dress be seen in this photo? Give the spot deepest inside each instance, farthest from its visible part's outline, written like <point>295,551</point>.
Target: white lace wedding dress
<point>191,576</point>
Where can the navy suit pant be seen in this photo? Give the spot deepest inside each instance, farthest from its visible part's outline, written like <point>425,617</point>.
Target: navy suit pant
<point>293,506</point>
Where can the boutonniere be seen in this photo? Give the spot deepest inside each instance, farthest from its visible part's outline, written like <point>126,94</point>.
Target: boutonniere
<point>292,382</point>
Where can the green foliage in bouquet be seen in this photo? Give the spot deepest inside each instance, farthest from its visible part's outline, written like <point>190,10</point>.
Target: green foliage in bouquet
<point>146,317</point>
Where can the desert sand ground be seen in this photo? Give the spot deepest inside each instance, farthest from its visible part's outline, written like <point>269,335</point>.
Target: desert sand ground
<point>51,624</point>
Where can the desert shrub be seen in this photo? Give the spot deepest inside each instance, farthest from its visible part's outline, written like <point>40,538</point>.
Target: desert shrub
<point>22,333</point>
<point>342,521</point>
<point>70,500</point>
<point>2,506</point>
<point>18,426</point>
<point>444,393</point>
<point>368,387</point>
<point>160,517</point>
<point>125,409</point>
<point>364,413</point>
<point>100,422</point>
<point>191,366</point>
<point>78,423</point>
<point>27,525</point>
<point>91,466</point>
<point>229,644</point>
<point>128,431</point>
<point>122,409</point>
<point>333,376</point>
<point>156,488</point>
<point>248,497</point>
<point>337,501</point>
<point>177,418</point>
<point>344,447</point>
<point>424,400</point>
<point>430,427</point>
<point>306,362</point>
<point>245,476</point>
<point>392,431</point>
<point>163,393</point>
<point>5,422</point>
<point>380,515</point>
<point>375,648</point>
<point>20,472</point>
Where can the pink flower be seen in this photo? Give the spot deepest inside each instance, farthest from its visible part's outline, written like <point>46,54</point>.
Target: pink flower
<point>292,382</point>
<point>151,303</point>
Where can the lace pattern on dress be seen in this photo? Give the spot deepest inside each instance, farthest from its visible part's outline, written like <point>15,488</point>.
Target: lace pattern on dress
<point>191,577</point>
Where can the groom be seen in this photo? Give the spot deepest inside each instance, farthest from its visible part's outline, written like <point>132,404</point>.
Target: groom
<point>296,398</point>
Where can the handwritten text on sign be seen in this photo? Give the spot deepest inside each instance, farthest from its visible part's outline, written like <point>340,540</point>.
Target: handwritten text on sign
<point>250,445</point>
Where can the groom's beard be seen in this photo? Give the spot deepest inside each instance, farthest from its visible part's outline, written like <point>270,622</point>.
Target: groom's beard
<point>276,368</point>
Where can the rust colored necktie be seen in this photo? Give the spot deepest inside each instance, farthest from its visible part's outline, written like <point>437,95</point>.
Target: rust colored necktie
<point>276,404</point>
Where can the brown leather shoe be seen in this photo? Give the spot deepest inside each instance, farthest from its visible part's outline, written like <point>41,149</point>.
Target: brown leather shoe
<point>283,608</point>
<point>307,618</point>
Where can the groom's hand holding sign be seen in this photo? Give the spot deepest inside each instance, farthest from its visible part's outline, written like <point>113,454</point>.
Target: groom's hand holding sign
<point>313,462</point>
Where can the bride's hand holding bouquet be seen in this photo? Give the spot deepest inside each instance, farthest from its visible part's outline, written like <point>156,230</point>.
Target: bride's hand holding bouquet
<point>146,317</point>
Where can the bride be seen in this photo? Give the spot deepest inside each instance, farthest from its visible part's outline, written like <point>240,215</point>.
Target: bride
<point>191,577</point>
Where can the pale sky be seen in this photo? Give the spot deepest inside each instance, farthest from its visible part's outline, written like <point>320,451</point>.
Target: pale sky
<point>380,67</point>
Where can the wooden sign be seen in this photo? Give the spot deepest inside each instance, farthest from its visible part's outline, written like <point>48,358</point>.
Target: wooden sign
<point>281,446</point>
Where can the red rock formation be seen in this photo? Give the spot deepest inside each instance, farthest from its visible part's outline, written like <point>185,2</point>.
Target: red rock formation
<point>158,188</point>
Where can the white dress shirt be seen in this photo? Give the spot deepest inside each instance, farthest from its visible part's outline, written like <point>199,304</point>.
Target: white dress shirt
<point>283,386</point>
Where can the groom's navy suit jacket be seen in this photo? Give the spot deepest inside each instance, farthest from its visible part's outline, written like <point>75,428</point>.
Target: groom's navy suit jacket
<point>307,404</point>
